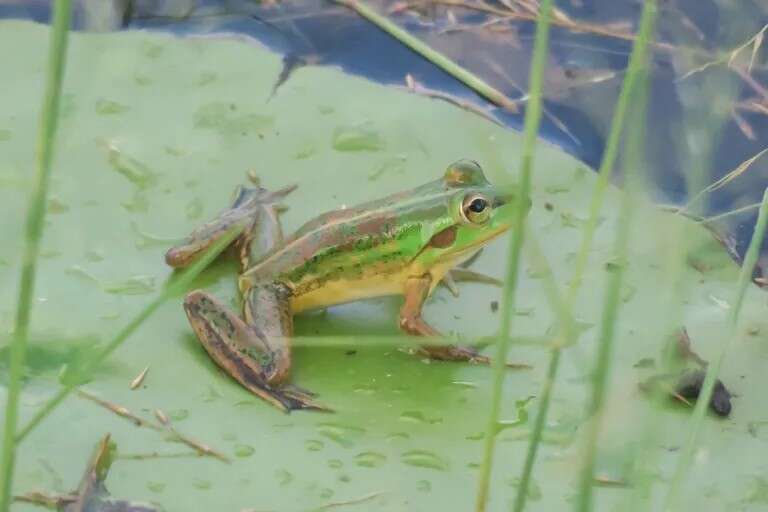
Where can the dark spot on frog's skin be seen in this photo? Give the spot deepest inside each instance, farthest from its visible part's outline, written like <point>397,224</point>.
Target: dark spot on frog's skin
<point>444,238</point>
<point>549,207</point>
<point>494,305</point>
<point>350,352</point>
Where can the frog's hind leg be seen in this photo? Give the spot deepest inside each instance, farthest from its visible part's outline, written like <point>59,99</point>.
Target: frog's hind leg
<point>248,208</point>
<point>252,354</point>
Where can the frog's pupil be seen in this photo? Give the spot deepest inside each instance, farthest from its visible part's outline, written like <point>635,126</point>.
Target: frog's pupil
<point>478,205</point>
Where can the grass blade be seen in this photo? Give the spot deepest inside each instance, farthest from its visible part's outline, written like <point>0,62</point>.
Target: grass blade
<point>727,178</point>
<point>531,129</point>
<point>175,288</point>
<point>606,167</point>
<point>34,229</point>
<point>612,298</point>
<point>702,403</point>
<point>465,76</point>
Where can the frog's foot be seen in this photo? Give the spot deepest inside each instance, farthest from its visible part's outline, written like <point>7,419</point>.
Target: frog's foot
<point>238,349</point>
<point>296,399</point>
<point>302,398</point>
<point>462,353</point>
<point>453,353</point>
<point>416,291</point>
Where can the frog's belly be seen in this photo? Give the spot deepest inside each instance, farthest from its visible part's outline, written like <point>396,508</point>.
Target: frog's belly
<point>343,290</point>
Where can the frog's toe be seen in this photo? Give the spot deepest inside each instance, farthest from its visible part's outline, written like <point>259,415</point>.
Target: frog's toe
<point>460,353</point>
<point>299,399</point>
<point>453,353</point>
<point>299,391</point>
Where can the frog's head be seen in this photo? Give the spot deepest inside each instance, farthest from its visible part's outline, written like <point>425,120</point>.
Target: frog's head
<point>477,212</point>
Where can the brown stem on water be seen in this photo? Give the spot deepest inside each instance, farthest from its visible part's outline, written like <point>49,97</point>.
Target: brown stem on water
<point>164,425</point>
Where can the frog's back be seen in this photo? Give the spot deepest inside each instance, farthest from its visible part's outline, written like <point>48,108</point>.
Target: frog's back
<point>350,254</point>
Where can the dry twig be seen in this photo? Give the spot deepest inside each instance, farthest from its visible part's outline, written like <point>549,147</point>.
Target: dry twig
<point>164,425</point>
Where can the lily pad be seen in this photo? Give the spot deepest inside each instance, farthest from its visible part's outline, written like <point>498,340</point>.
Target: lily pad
<point>208,102</point>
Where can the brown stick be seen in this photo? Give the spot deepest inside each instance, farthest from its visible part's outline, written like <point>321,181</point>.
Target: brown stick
<point>163,426</point>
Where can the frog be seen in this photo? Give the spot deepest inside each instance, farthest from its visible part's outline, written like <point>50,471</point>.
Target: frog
<point>403,244</point>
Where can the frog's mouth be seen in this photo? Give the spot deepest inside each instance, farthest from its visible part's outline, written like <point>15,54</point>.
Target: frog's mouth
<point>459,256</point>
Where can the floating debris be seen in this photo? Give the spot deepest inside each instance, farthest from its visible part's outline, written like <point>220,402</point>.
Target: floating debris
<point>244,450</point>
<point>686,387</point>
<point>370,459</point>
<point>134,171</point>
<point>135,383</point>
<point>356,138</point>
<point>109,107</point>
<point>164,425</point>
<point>91,494</point>
<point>689,386</point>
<point>424,459</point>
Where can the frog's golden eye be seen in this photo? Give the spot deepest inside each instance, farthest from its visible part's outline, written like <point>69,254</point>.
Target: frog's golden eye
<point>476,208</point>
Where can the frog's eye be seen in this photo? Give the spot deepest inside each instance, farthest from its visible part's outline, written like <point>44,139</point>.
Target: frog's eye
<point>476,208</point>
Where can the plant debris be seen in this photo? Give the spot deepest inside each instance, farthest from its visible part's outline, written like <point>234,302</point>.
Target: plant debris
<point>164,425</point>
<point>685,387</point>
<point>689,385</point>
<point>135,383</point>
<point>91,495</point>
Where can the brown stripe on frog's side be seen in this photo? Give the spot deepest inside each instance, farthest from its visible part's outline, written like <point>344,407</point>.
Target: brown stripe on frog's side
<point>353,255</point>
<point>379,244</point>
<point>326,244</point>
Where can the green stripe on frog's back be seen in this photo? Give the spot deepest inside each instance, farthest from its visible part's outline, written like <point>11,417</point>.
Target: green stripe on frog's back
<point>378,237</point>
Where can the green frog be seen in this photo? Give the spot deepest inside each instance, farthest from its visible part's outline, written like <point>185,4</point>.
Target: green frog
<point>403,244</point>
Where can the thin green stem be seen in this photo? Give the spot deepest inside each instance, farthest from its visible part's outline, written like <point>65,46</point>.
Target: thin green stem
<point>729,213</point>
<point>465,76</point>
<point>568,334</point>
<point>611,303</point>
<point>175,288</point>
<point>34,229</point>
<point>670,304</point>
<point>636,89</point>
<point>702,403</point>
<point>532,121</point>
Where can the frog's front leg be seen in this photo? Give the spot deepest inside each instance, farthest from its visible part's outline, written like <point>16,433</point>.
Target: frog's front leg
<point>416,292</point>
<point>255,352</point>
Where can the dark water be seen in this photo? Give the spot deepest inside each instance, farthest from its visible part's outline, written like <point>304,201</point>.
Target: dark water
<point>727,105</point>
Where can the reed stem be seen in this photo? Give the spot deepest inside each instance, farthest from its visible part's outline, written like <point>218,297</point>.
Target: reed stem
<point>568,334</point>
<point>34,230</point>
<point>702,402</point>
<point>531,129</point>
<point>446,64</point>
